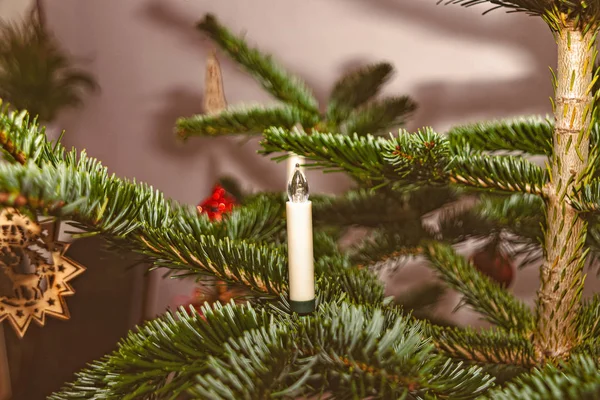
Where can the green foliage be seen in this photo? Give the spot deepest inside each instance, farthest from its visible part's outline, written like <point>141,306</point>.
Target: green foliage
<point>35,73</point>
<point>355,89</point>
<point>243,121</point>
<point>163,355</point>
<point>558,14</point>
<point>407,159</point>
<point>379,116</point>
<point>358,343</point>
<point>393,241</point>
<point>258,365</point>
<point>588,321</point>
<point>507,173</point>
<point>575,379</point>
<point>422,157</point>
<point>361,156</point>
<point>353,106</point>
<point>485,296</point>
<point>270,75</point>
<point>492,347</point>
<point>531,135</point>
<point>363,351</point>
<point>243,352</point>
<point>376,208</point>
<point>518,214</point>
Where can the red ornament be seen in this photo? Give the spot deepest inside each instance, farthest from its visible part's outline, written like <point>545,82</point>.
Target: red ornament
<point>494,263</point>
<point>220,202</point>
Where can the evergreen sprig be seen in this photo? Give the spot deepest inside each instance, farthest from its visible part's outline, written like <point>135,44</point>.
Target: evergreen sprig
<point>532,135</point>
<point>285,87</point>
<point>506,173</point>
<point>587,198</point>
<point>366,351</point>
<point>519,214</point>
<point>355,89</point>
<point>491,347</point>
<point>243,121</point>
<point>379,116</point>
<point>422,157</point>
<point>558,14</point>
<point>588,321</point>
<point>163,356</point>
<point>393,241</point>
<point>575,379</point>
<point>359,156</point>
<point>238,351</point>
<point>485,296</point>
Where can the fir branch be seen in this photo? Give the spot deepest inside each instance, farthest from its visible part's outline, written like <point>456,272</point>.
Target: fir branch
<point>355,89</point>
<point>259,219</point>
<point>242,352</point>
<point>362,207</point>
<point>336,276</point>
<point>393,241</point>
<point>531,135</point>
<point>242,121</point>
<point>519,214</point>
<point>379,116</point>
<point>587,197</point>
<point>421,157</point>
<point>23,139</point>
<point>271,76</point>
<point>261,364</point>
<point>366,351</point>
<point>136,216</point>
<point>486,347</point>
<point>588,320</point>
<point>359,156</point>
<point>575,379</point>
<point>485,296</point>
<point>558,14</point>
<point>162,357</point>
<point>376,208</point>
<point>506,173</point>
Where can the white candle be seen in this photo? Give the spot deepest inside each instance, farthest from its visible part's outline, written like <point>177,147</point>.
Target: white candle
<point>300,245</point>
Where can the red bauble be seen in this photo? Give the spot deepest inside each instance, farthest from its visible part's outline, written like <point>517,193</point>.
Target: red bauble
<point>494,263</point>
<point>220,202</point>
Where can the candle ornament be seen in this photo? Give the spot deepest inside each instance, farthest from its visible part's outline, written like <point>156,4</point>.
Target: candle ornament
<point>300,245</point>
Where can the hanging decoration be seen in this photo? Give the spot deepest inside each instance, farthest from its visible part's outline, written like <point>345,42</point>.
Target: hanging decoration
<point>494,262</point>
<point>217,204</point>
<point>214,94</point>
<point>34,271</point>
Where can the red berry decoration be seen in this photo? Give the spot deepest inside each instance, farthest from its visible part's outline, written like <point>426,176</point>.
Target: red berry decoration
<point>220,202</point>
<point>494,263</point>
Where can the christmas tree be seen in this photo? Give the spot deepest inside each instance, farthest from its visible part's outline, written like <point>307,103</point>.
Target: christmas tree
<point>354,106</point>
<point>357,344</point>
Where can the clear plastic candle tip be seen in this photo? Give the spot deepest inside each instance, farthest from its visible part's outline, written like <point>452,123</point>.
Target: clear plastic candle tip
<point>298,187</point>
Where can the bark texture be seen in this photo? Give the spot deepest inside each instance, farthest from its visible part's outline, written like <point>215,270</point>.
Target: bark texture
<point>559,296</point>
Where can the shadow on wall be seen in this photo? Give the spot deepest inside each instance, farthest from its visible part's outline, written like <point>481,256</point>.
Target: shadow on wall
<point>470,100</point>
<point>444,100</point>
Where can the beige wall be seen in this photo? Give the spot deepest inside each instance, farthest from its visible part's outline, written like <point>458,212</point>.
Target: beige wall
<point>149,60</point>
<point>10,9</point>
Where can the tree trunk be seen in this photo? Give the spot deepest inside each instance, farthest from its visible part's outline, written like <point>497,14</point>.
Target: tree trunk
<point>559,296</point>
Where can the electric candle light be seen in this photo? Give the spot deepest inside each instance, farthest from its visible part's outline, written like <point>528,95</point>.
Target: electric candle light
<point>300,245</point>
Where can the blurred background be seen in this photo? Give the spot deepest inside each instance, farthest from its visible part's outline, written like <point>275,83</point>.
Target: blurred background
<point>148,61</point>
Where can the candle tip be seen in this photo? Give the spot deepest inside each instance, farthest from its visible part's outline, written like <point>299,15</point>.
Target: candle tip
<point>298,187</point>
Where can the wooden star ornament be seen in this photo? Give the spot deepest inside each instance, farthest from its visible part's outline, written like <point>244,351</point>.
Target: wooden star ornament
<point>36,271</point>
